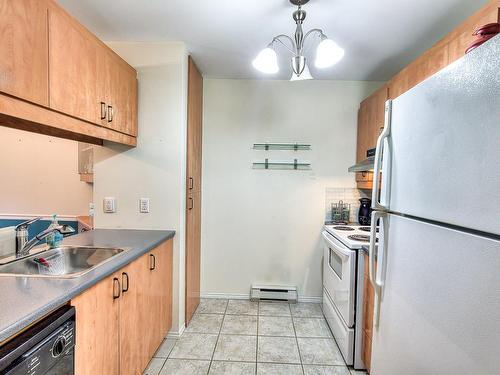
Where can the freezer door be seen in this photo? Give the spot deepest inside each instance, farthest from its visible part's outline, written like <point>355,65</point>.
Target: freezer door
<point>444,145</point>
<point>439,302</point>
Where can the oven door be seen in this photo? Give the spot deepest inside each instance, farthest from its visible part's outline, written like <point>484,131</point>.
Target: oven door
<point>339,276</point>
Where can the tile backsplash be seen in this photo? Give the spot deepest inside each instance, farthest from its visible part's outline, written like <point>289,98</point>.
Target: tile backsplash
<point>347,195</point>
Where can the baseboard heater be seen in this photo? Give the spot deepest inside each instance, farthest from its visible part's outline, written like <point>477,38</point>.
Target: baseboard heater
<point>273,293</point>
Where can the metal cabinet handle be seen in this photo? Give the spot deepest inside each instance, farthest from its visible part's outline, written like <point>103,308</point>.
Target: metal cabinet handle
<point>152,264</point>
<point>116,288</point>
<point>191,183</point>
<point>376,204</point>
<point>191,203</point>
<point>124,290</point>
<point>110,113</point>
<point>103,111</point>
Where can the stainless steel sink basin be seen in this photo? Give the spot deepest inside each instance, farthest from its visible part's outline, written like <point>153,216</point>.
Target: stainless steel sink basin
<point>61,262</point>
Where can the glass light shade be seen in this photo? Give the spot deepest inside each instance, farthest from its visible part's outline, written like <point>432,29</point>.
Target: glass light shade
<point>266,61</point>
<point>328,54</point>
<point>305,75</point>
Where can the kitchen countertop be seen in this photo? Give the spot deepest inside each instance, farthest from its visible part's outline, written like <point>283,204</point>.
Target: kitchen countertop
<point>24,300</point>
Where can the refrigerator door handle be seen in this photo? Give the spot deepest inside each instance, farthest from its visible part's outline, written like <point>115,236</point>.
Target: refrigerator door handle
<point>381,142</point>
<point>376,277</point>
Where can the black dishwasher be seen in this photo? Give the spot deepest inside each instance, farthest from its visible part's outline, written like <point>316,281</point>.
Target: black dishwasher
<point>46,348</point>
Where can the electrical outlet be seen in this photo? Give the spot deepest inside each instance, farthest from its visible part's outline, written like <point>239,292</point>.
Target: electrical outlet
<point>109,205</point>
<point>144,205</point>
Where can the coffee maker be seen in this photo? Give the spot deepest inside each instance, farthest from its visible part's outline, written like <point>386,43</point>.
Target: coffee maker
<point>365,210</point>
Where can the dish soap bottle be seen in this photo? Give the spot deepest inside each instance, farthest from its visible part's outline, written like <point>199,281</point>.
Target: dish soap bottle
<point>55,238</point>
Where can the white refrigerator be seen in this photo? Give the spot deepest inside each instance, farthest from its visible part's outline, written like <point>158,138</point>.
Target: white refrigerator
<point>436,267</point>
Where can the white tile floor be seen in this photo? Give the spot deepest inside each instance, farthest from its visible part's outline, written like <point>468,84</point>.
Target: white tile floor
<point>239,337</point>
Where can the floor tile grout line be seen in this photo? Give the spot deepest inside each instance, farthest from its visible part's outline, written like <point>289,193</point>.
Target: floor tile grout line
<point>297,342</point>
<point>168,355</point>
<point>218,335</point>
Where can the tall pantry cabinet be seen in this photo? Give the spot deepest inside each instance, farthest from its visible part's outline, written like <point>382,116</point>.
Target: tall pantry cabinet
<point>193,189</point>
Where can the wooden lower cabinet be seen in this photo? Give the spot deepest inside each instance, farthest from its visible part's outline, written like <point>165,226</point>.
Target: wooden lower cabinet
<point>122,320</point>
<point>369,303</point>
<point>134,320</point>
<point>159,300</point>
<point>98,329</point>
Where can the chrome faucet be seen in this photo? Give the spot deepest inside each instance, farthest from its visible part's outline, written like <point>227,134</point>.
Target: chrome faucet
<point>22,235</point>
<point>23,246</point>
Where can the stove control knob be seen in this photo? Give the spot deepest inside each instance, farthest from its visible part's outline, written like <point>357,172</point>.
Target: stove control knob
<point>58,346</point>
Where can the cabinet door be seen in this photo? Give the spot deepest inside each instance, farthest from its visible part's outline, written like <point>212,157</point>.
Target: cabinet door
<point>117,84</point>
<point>24,49</point>
<point>422,68</point>
<point>370,124</point>
<point>98,328</point>
<point>73,68</point>
<point>369,298</point>
<point>193,254</point>
<point>160,294</point>
<point>194,131</point>
<point>134,307</point>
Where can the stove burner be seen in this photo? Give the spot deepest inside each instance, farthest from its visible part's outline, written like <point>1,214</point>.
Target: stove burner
<point>366,229</point>
<point>343,228</point>
<point>359,237</point>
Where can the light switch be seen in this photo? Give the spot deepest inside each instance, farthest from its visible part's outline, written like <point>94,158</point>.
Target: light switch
<point>144,205</point>
<point>109,205</point>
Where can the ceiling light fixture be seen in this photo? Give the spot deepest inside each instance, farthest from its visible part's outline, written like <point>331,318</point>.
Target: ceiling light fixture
<point>328,53</point>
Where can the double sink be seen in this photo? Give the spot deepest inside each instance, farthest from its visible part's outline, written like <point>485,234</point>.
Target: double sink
<point>61,262</point>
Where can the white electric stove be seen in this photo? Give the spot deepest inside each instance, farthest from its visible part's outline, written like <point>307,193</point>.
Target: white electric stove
<point>343,281</point>
<point>353,236</point>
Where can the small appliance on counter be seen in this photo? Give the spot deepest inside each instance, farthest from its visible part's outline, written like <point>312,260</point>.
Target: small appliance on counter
<point>365,210</point>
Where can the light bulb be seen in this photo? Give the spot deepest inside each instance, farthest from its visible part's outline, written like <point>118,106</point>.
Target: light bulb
<point>328,54</point>
<point>266,61</point>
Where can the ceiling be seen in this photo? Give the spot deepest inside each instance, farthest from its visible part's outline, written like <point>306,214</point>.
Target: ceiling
<point>223,36</point>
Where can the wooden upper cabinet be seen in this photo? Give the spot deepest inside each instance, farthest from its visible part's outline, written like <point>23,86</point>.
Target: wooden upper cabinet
<point>117,87</point>
<point>73,68</point>
<point>24,50</point>
<point>423,67</point>
<point>447,50</point>
<point>371,117</point>
<point>87,79</point>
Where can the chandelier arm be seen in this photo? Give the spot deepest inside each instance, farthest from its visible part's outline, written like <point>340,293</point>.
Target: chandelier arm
<point>318,31</point>
<point>279,39</point>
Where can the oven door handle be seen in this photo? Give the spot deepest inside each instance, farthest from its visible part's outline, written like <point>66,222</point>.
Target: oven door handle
<point>338,248</point>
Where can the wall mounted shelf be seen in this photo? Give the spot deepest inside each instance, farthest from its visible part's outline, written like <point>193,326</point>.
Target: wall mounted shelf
<point>282,146</point>
<point>284,165</point>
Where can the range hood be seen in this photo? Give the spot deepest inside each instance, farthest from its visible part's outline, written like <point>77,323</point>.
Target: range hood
<point>365,165</point>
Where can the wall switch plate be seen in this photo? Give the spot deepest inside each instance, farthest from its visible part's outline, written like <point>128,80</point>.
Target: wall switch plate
<point>144,205</point>
<point>109,205</point>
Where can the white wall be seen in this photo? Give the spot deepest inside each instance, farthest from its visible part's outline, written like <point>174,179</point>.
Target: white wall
<point>40,175</point>
<point>263,226</point>
<point>156,168</point>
